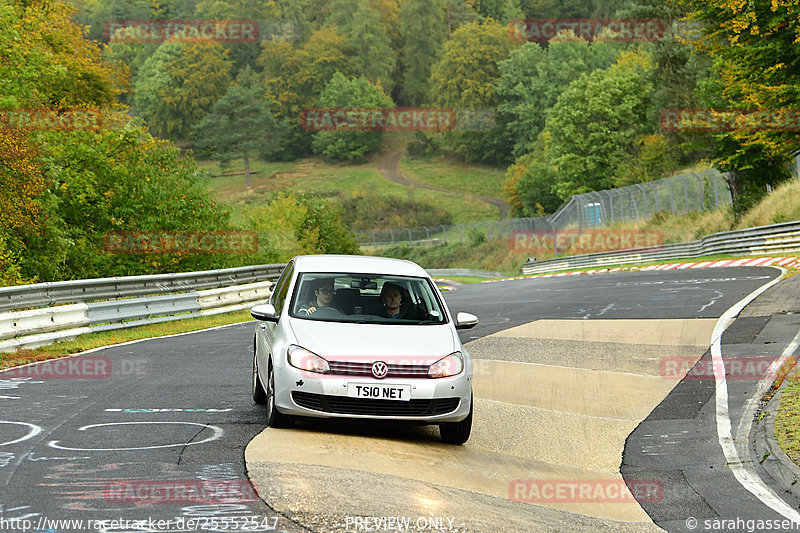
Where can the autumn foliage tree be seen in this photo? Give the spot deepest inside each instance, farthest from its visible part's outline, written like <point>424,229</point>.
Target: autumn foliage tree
<point>755,55</point>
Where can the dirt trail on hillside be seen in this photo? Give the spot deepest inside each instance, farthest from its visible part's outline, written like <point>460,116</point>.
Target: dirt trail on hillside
<point>389,167</point>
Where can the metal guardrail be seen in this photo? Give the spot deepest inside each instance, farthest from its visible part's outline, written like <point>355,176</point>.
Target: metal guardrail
<point>776,238</point>
<point>60,292</point>
<point>122,302</point>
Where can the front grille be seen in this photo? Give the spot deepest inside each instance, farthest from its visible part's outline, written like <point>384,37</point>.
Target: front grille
<point>355,368</point>
<point>364,406</point>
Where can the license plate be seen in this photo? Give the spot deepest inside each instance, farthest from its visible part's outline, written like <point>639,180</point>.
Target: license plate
<point>379,392</point>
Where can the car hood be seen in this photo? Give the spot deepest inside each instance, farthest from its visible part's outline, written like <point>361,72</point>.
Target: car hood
<point>372,342</point>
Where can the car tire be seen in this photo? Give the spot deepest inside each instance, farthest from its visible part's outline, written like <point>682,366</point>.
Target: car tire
<point>275,419</point>
<point>457,432</point>
<point>259,394</point>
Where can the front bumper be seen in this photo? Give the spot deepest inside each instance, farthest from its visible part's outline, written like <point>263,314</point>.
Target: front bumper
<point>301,393</point>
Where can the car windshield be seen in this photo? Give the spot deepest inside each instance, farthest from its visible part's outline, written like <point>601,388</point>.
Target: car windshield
<point>366,298</point>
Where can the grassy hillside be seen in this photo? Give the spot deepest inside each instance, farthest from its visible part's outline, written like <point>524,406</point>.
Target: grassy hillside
<point>338,182</point>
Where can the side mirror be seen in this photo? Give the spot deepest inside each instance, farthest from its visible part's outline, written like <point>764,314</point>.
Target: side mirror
<point>264,312</point>
<point>466,321</point>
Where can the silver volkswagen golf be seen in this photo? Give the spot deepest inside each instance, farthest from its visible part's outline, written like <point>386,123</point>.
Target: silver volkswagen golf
<point>362,337</point>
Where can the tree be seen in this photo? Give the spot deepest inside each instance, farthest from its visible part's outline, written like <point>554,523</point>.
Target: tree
<point>294,78</point>
<point>373,56</point>
<point>22,182</point>
<point>532,78</point>
<point>368,43</point>
<point>291,224</point>
<point>199,76</point>
<point>424,30</point>
<point>153,77</point>
<point>45,61</point>
<point>596,122</point>
<point>179,83</point>
<point>349,93</point>
<point>753,46</point>
<point>465,79</point>
<point>529,186</point>
<point>240,123</point>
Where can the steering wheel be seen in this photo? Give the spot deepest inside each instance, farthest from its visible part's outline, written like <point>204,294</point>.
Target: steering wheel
<point>327,311</point>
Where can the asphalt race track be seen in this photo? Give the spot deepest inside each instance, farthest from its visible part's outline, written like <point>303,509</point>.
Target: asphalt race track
<point>109,440</point>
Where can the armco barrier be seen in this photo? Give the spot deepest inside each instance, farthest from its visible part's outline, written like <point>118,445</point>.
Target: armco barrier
<point>776,238</point>
<point>113,303</point>
<point>59,292</point>
<point>103,304</point>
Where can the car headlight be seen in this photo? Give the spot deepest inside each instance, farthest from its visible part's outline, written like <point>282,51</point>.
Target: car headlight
<point>306,360</point>
<point>452,365</point>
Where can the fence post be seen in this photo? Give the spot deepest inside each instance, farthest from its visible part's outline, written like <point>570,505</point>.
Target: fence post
<point>671,198</point>
<point>685,192</point>
<point>702,191</point>
<point>410,239</point>
<point>444,234</point>
<point>644,199</point>
<point>655,193</point>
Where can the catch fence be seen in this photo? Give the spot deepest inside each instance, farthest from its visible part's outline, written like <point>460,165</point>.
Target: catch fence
<point>693,191</point>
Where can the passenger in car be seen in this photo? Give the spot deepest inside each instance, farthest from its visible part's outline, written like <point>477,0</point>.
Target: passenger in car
<point>391,297</point>
<point>323,296</point>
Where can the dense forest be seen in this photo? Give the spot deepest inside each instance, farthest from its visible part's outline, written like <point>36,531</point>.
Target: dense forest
<point>568,115</point>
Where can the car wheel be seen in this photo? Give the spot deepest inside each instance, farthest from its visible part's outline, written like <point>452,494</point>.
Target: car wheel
<point>457,432</point>
<point>259,395</point>
<point>275,419</point>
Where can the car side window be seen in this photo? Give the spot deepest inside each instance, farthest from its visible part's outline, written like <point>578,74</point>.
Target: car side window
<point>282,288</point>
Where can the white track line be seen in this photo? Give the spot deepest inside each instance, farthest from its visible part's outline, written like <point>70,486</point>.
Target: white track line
<point>740,466</point>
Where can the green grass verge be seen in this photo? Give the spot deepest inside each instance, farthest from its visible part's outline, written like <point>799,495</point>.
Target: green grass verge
<point>787,422</point>
<point>107,338</point>
<point>465,280</point>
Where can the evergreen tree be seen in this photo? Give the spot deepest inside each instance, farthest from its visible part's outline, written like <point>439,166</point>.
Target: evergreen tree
<point>240,125</point>
<point>424,30</point>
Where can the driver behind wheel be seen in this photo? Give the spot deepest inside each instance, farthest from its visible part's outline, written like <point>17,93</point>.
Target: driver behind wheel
<point>323,296</point>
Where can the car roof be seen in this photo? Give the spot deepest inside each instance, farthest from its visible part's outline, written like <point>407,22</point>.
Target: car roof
<point>357,264</point>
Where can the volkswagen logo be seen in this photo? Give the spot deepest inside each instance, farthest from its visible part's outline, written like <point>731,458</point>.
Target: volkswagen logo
<point>380,369</point>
